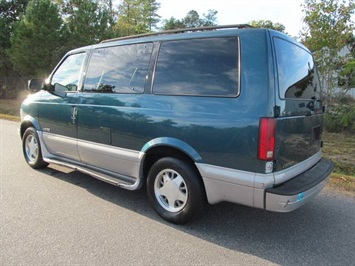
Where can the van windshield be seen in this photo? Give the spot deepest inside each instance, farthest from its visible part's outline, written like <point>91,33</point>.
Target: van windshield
<point>297,73</point>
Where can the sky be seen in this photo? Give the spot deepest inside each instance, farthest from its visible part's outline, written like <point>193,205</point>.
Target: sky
<point>287,12</point>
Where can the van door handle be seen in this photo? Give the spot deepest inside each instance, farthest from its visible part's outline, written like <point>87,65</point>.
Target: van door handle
<point>74,114</point>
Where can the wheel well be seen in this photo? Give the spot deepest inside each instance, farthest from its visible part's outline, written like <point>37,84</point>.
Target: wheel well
<point>24,126</point>
<point>157,153</point>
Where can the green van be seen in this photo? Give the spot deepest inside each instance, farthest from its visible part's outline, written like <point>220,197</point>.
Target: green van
<point>212,114</point>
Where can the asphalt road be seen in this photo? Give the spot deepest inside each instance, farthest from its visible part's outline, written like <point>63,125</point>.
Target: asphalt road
<point>61,217</point>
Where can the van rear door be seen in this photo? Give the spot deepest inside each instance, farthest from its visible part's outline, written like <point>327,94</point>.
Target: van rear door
<point>299,107</point>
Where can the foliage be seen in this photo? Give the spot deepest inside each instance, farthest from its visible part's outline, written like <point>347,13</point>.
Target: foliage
<point>267,24</point>
<point>328,29</point>
<point>86,22</point>
<point>10,13</point>
<point>340,148</point>
<point>347,75</point>
<point>36,38</point>
<point>137,16</point>
<point>191,20</point>
<point>173,23</point>
<point>347,71</point>
<point>328,23</point>
<point>341,115</point>
<point>150,15</point>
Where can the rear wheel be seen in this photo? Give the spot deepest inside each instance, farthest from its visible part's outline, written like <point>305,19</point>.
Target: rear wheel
<point>175,190</point>
<point>32,149</point>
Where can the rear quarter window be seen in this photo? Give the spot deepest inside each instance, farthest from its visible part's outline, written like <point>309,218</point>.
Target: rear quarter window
<point>198,67</point>
<point>297,73</point>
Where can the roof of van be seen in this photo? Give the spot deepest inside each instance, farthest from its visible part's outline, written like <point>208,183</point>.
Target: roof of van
<point>207,31</point>
<point>186,30</point>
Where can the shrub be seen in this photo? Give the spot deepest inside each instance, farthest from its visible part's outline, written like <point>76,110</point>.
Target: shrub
<point>341,116</point>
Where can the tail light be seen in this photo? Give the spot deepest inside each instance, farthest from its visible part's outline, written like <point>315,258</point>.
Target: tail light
<point>267,138</point>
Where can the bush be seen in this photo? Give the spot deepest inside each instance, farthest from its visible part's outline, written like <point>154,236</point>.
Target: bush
<point>340,116</point>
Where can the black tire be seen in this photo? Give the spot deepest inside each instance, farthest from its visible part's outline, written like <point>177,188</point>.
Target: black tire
<point>31,147</point>
<point>175,190</point>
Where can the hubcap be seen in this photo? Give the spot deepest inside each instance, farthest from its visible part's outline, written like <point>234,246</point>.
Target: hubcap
<point>170,190</point>
<point>31,148</point>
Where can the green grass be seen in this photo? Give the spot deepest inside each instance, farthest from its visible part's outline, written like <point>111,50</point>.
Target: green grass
<point>338,147</point>
<point>10,117</point>
<point>10,107</point>
<point>342,183</point>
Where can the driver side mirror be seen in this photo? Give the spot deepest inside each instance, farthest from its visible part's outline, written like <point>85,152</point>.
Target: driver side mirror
<point>35,85</point>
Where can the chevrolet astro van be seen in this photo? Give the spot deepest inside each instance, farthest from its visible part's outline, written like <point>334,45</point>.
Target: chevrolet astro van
<point>205,115</point>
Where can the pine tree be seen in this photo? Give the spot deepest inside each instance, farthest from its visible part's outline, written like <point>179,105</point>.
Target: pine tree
<point>87,22</point>
<point>137,16</point>
<point>268,24</point>
<point>192,20</point>
<point>36,42</point>
<point>10,13</point>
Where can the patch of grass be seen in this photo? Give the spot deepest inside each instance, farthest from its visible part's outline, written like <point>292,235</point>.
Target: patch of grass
<point>10,117</point>
<point>10,107</point>
<point>340,148</point>
<point>342,183</point>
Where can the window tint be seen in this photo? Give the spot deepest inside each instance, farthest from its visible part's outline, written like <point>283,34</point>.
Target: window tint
<point>204,67</point>
<point>119,69</point>
<point>68,72</point>
<point>297,72</point>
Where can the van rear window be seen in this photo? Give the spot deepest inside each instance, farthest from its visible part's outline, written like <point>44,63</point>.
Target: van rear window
<point>298,78</point>
<point>198,67</point>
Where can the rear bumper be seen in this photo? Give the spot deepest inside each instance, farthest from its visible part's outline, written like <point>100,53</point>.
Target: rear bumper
<point>299,190</point>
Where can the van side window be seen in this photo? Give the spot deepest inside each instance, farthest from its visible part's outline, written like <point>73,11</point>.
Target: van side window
<point>119,69</point>
<point>68,72</point>
<point>298,78</point>
<point>198,67</point>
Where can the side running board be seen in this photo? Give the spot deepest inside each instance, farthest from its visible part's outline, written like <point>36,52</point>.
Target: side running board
<point>118,180</point>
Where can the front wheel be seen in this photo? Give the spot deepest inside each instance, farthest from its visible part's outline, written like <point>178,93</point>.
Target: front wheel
<point>32,149</point>
<point>175,190</point>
